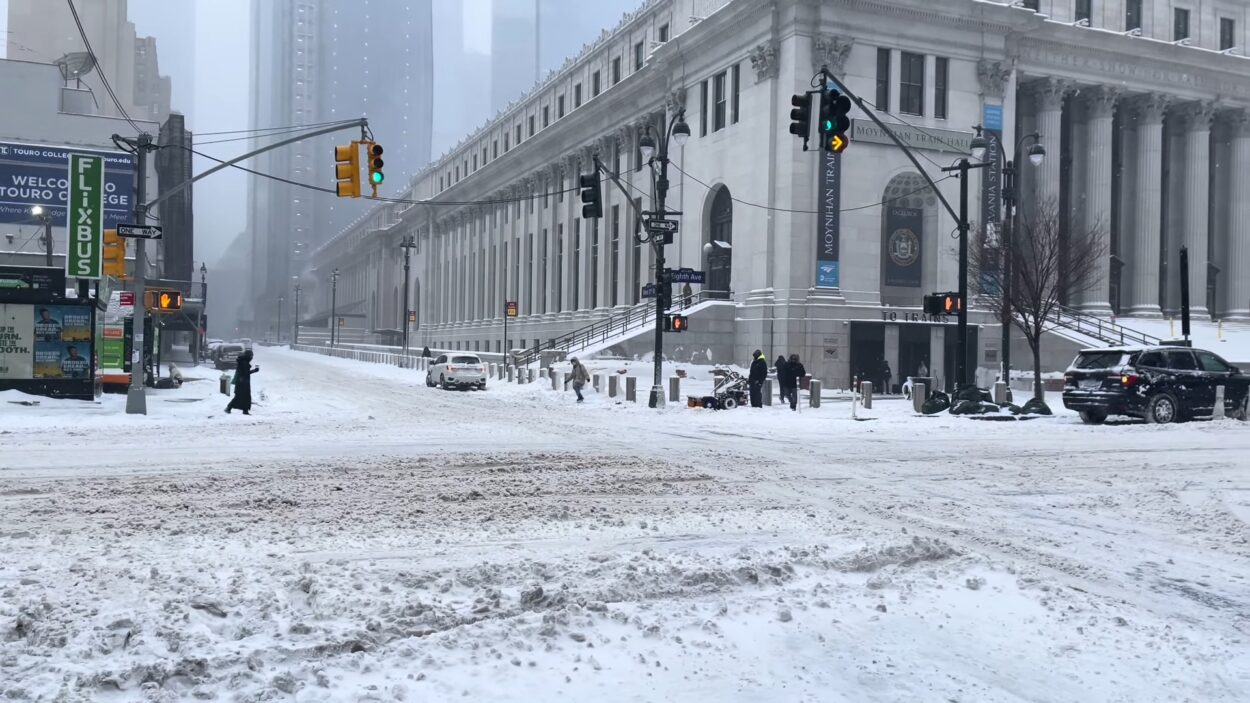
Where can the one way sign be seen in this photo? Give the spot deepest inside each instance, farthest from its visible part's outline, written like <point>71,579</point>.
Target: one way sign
<point>139,231</point>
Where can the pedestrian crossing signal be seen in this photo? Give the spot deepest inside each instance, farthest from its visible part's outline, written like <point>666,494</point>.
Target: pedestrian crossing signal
<point>942,304</point>
<point>676,323</point>
<point>163,300</point>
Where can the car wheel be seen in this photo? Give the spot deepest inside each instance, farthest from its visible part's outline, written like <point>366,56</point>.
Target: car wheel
<point>1163,409</point>
<point>429,382</point>
<point>1243,413</point>
<point>442,381</point>
<point>1094,417</point>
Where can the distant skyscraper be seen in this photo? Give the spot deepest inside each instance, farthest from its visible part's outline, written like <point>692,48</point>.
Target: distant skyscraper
<point>317,61</point>
<point>173,25</point>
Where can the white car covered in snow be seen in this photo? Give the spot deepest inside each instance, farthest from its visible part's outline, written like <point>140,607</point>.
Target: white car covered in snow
<point>457,371</point>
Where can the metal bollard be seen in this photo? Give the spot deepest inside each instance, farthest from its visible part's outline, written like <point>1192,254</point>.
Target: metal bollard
<point>597,380</point>
<point>919,394</point>
<point>555,379</point>
<point>865,391</point>
<point>814,392</point>
<point>614,382</point>
<point>631,389</point>
<point>224,383</point>
<point>509,374</point>
<point>674,389</point>
<point>530,375</point>
<point>768,391</point>
<point>542,373</point>
<point>1000,393</point>
<point>1217,412</point>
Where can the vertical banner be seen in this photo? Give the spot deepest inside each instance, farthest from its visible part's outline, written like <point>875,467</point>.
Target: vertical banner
<point>992,199</point>
<point>829,220</point>
<point>85,217</point>
<point>903,230</point>
<point>17,341</point>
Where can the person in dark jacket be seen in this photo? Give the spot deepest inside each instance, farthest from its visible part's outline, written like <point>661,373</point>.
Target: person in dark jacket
<point>794,376</point>
<point>242,399</point>
<point>780,367</point>
<point>756,378</point>
<point>425,353</point>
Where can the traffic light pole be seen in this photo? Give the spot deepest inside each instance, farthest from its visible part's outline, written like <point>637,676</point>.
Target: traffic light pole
<point>334,305</point>
<point>295,318</point>
<point>407,245</point>
<point>136,399</point>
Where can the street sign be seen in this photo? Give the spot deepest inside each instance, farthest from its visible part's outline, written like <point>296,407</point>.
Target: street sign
<point>648,291</point>
<point>84,220</point>
<point>342,321</point>
<point>139,231</point>
<point>510,308</point>
<point>661,226</point>
<point>684,275</point>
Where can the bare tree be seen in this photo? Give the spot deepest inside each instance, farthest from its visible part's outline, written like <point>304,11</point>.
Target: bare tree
<point>1048,266</point>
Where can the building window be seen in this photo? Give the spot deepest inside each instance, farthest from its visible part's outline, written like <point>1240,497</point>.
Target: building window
<point>542,274</point>
<point>531,125</point>
<point>1132,15</point>
<point>636,269</point>
<point>911,86</point>
<point>1228,33</point>
<point>663,33</point>
<point>505,143</point>
<point>546,116</point>
<point>558,289</point>
<point>1083,11</point>
<point>883,80</point>
<point>940,80</point>
<point>594,263</point>
<point>475,162</point>
<point>495,150</point>
<point>483,156</point>
<point>735,73</point>
<point>577,96</point>
<point>703,109</point>
<point>638,56</point>
<point>576,264</point>
<point>1034,5</point>
<point>594,84</point>
<point>518,134</point>
<point>615,252</point>
<point>1180,23</point>
<point>560,107</point>
<point>718,102</point>
<point>616,70</point>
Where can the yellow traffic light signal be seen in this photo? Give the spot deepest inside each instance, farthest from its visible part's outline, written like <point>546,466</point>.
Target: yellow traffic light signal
<point>114,254</point>
<point>347,170</point>
<point>838,143</point>
<point>373,158</point>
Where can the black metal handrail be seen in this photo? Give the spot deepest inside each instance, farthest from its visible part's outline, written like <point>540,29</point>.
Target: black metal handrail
<point>1105,331</point>
<point>602,330</point>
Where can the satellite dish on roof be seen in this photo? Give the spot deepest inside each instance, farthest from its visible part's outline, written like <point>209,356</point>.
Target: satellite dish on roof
<point>75,65</point>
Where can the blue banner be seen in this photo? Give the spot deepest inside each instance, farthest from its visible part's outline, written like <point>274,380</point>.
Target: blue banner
<point>829,220</point>
<point>992,200</point>
<point>34,174</point>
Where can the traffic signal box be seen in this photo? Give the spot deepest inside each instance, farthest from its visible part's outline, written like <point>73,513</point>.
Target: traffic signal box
<point>592,197</point>
<point>373,159</point>
<point>835,120</point>
<point>114,254</point>
<point>942,304</point>
<point>676,323</point>
<point>162,300</point>
<point>347,170</point>
<point>801,116</point>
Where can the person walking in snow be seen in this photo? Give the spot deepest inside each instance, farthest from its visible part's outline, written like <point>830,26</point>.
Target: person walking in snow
<point>425,353</point>
<point>756,377</point>
<point>780,368</point>
<point>242,399</point>
<point>580,377</point>
<point>794,376</point>
<point>885,376</point>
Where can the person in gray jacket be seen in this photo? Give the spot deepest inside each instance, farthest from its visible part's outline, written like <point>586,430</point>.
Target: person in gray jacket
<point>579,378</point>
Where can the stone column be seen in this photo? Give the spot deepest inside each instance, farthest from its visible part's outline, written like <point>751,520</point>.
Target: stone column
<point>1197,119</point>
<point>1100,105</point>
<point>1048,96</point>
<point>1143,252</point>
<point>1237,264</point>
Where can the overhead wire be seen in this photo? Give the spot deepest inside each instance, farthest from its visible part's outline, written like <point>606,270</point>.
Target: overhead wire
<point>100,69</point>
<point>295,127</point>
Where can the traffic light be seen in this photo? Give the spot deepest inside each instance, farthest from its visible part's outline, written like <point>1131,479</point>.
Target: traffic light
<point>163,300</point>
<point>835,121</point>
<point>347,170</point>
<point>373,153</point>
<point>592,201</point>
<point>801,116</point>
<point>114,254</point>
<point>664,293</point>
<point>676,323</point>
<point>942,304</point>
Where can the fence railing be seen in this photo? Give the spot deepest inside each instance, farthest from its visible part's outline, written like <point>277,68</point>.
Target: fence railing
<point>1101,329</point>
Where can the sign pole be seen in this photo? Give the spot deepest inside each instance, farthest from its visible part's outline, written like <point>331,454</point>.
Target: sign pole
<point>136,400</point>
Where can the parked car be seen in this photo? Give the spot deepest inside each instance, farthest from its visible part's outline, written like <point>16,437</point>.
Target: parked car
<point>1159,384</point>
<point>226,356</point>
<point>457,371</point>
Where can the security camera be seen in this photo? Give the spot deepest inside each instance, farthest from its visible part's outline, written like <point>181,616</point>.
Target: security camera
<point>9,237</point>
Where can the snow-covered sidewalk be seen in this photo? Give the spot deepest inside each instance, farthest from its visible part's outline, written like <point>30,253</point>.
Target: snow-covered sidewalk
<point>363,537</point>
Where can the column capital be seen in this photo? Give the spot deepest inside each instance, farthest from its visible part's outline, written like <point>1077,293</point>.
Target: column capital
<point>676,99</point>
<point>993,75</point>
<point>766,60</point>
<point>1237,122</point>
<point>1149,107</point>
<point>1048,93</point>
<point>1101,100</point>
<point>831,50</point>
<point>1196,116</point>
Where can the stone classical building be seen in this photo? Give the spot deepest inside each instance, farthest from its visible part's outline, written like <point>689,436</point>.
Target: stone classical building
<point>1141,104</point>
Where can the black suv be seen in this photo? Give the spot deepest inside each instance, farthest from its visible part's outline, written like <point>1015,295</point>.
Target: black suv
<point>1159,384</point>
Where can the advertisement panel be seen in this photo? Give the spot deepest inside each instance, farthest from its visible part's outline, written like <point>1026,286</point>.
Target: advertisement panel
<point>904,229</point>
<point>992,198</point>
<point>84,221</point>
<point>62,341</point>
<point>34,174</point>
<point>829,220</point>
<point>17,341</point>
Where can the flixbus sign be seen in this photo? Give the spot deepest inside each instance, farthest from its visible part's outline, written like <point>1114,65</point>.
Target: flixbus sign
<point>85,216</point>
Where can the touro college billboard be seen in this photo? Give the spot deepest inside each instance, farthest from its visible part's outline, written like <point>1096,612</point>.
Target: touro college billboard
<point>34,174</point>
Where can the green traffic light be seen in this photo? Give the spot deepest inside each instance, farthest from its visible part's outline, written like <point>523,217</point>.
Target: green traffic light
<point>376,177</point>
<point>828,125</point>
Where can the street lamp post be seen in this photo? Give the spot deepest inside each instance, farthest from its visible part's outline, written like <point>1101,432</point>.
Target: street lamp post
<point>200,332</point>
<point>676,131</point>
<point>46,219</point>
<point>408,244</point>
<point>281,302</point>
<point>334,303</point>
<point>1036,154</point>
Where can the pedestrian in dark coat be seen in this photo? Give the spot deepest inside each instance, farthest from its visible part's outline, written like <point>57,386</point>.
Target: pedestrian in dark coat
<point>794,375</point>
<point>780,367</point>
<point>756,378</point>
<point>886,374</point>
<point>242,399</point>
<point>425,353</point>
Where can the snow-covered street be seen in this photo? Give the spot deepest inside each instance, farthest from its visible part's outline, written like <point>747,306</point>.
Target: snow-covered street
<point>363,537</point>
